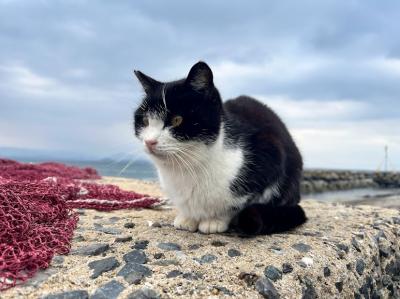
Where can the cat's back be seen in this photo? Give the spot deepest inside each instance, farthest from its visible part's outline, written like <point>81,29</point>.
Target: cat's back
<point>250,115</point>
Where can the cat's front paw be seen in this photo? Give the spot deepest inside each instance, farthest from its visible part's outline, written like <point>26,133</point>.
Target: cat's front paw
<point>182,222</point>
<point>212,226</point>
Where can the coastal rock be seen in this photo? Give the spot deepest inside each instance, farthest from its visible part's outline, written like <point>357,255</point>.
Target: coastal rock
<point>174,273</point>
<point>108,230</point>
<point>360,266</point>
<point>356,244</point>
<point>248,278</point>
<point>194,246</point>
<point>79,294</point>
<point>301,247</point>
<point>192,275</point>
<point>94,249</point>
<point>207,258</point>
<point>58,260</point>
<point>134,273</point>
<point>123,239</point>
<point>272,273</point>
<point>129,225</point>
<point>141,244</point>
<point>327,272</point>
<point>159,255</point>
<point>144,293</point>
<point>309,291</point>
<point>101,266</point>
<point>167,262</point>
<point>234,252</point>
<point>110,290</point>
<point>218,243</point>
<point>265,287</point>
<point>136,256</point>
<point>287,268</point>
<point>169,246</point>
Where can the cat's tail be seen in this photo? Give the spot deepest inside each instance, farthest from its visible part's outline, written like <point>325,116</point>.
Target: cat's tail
<point>264,219</point>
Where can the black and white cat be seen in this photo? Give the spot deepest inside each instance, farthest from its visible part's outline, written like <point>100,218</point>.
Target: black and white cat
<point>221,164</point>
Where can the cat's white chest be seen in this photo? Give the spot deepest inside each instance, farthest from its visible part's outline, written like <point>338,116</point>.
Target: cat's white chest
<point>202,191</point>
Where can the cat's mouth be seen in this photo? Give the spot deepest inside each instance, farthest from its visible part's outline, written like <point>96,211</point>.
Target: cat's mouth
<point>156,153</point>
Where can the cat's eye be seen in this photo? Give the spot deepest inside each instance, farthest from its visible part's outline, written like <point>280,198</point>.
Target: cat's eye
<point>145,121</point>
<point>176,121</point>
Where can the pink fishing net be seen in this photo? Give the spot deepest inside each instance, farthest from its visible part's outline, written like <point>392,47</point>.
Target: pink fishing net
<point>36,216</point>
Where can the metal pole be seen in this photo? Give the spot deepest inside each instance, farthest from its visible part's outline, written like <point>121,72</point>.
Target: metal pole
<point>386,158</point>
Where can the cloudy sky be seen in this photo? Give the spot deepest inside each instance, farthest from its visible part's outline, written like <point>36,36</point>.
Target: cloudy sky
<point>331,69</point>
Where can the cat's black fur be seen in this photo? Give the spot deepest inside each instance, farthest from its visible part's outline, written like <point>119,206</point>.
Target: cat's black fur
<point>271,156</point>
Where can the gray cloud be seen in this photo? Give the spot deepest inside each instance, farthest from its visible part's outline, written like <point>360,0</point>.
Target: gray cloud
<point>66,67</point>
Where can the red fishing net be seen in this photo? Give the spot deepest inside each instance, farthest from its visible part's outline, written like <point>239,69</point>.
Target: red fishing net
<point>36,216</point>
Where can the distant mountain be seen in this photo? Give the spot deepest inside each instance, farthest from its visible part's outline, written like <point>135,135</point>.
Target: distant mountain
<point>39,155</point>
<point>33,155</point>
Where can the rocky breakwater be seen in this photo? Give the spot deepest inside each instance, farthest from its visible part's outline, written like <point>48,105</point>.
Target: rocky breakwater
<point>315,181</point>
<point>387,179</point>
<point>341,252</point>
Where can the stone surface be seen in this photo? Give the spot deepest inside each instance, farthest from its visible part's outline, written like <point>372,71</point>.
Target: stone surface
<point>272,273</point>
<point>129,225</point>
<point>141,244</point>
<point>174,273</point>
<point>94,249</point>
<point>166,262</point>
<point>265,287</point>
<point>194,246</point>
<point>159,255</point>
<point>169,246</point>
<point>287,268</point>
<point>192,276</point>
<point>302,247</point>
<point>103,265</point>
<point>218,243</point>
<point>327,271</point>
<point>79,294</point>
<point>144,293</point>
<point>110,290</point>
<point>309,291</point>
<point>136,256</point>
<point>360,266</point>
<point>123,239</point>
<point>206,259</point>
<point>57,260</point>
<point>134,273</point>
<point>343,247</point>
<point>329,276</point>
<point>108,230</point>
<point>248,278</point>
<point>234,252</point>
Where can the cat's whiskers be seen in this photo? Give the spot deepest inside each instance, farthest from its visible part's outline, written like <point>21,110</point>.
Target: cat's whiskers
<point>202,173</point>
<point>196,162</point>
<point>175,161</point>
<point>126,166</point>
<point>188,164</point>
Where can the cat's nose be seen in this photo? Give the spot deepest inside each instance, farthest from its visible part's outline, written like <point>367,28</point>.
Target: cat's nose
<point>151,144</point>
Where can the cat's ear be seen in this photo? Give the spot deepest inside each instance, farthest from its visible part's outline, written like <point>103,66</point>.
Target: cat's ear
<point>200,76</point>
<point>149,84</point>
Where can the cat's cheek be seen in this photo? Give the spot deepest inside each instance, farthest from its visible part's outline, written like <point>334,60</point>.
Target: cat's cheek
<point>138,133</point>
